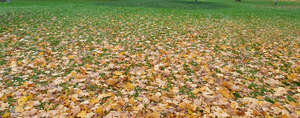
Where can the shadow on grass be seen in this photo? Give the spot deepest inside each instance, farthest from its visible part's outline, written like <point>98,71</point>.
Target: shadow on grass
<point>287,3</point>
<point>171,4</point>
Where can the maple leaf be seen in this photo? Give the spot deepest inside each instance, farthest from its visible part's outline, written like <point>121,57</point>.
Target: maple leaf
<point>99,111</point>
<point>153,115</point>
<point>82,114</point>
<point>94,101</point>
<point>70,57</point>
<point>3,106</point>
<point>5,115</point>
<point>197,90</point>
<point>225,92</point>
<point>19,108</point>
<point>129,86</point>
<point>23,100</point>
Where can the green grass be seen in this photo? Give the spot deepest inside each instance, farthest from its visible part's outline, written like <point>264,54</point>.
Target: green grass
<point>163,12</point>
<point>204,8</point>
<point>259,13</point>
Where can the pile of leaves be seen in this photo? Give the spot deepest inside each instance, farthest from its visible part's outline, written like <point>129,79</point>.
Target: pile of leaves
<point>147,66</point>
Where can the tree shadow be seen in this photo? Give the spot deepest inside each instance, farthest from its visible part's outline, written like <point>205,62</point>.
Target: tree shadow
<point>202,4</point>
<point>170,4</point>
<point>286,3</point>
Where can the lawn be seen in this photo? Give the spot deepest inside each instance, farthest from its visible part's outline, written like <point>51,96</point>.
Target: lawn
<point>149,58</point>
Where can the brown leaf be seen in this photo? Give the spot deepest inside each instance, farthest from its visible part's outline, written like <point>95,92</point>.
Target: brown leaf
<point>225,92</point>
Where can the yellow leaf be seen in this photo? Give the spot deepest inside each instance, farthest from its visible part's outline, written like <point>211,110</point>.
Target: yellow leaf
<point>228,85</point>
<point>225,92</point>
<point>94,101</point>
<point>70,57</point>
<point>182,105</point>
<point>82,70</point>
<point>22,100</point>
<point>117,73</point>
<point>87,66</point>
<point>260,102</point>
<point>291,76</point>
<point>5,115</point>
<point>44,65</point>
<point>197,90</point>
<point>267,115</point>
<point>82,114</point>
<point>191,107</point>
<point>29,97</point>
<point>91,93</point>
<point>259,97</point>
<point>121,53</point>
<point>19,108</point>
<point>129,86</point>
<point>153,115</point>
<point>73,99</point>
<point>115,106</point>
<point>154,98</point>
<point>283,116</point>
<point>111,81</point>
<point>105,95</point>
<point>131,101</point>
<point>19,62</point>
<point>99,111</point>
<point>190,111</point>
<point>298,113</point>
<point>41,54</point>
<point>234,105</point>
<point>211,80</point>
<point>73,74</point>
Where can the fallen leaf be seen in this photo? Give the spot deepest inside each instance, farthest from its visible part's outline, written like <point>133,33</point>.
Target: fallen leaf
<point>4,106</point>
<point>100,111</point>
<point>82,114</point>
<point>94,101</point>
<point>23,100</point>
<point>19,108</point>
<point>225,92</point>
<point>129,86</point>
<point>197,90</point>
<point>5,115</point>
<point>155,98</point>
<point>153,115</point>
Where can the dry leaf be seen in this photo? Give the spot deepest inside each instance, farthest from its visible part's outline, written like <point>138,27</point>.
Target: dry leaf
<point>82,114</point>
<point>225,92</point>
<point>19,108</point>
<point>100,111</point>
<point>5,115</point>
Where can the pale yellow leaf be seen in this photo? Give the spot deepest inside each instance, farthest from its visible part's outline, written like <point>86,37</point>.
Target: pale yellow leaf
<point>19,108</point>
<point>82,114</point>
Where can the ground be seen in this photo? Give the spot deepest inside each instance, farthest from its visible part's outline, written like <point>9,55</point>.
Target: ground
<point>149,58</point>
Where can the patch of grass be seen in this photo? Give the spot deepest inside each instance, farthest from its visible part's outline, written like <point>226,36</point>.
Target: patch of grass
<point>289,98</point>
<point>269,100</point>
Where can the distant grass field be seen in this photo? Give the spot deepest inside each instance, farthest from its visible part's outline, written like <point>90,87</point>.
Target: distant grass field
<point>258,12</point>
<point>149,58</point>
